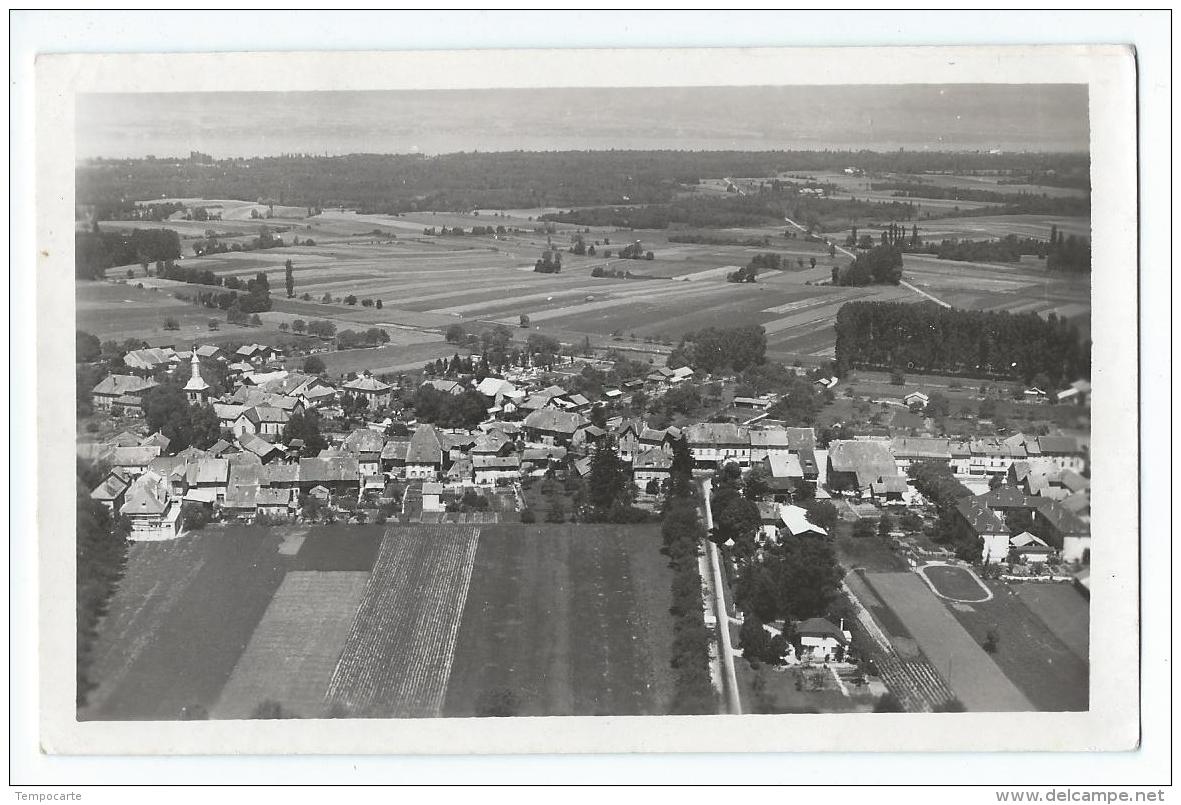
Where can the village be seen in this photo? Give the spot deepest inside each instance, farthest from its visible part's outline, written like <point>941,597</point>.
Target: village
<point>299,447</point>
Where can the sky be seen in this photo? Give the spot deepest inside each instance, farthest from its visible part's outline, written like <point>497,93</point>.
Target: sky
<point>953,117</point>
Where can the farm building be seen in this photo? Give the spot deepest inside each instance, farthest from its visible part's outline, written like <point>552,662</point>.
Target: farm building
<point>111,490</point>
<point>551,426</point>
<point>977,520</point>
<point>337,474</point>
<point>653,464</point>
<point>796,523</point>
<point>424,454</point>
<point>114,388</point>
<point>432,497</point>
<point>854,465</point>
<point>713,444</point>
<point>908,450</point>
<point>487,468</point>
<point>764,441</point>
<point>151,508</point>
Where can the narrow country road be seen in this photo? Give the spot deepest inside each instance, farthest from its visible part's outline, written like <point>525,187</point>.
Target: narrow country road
<point>729,678</point>
<point>848,253</point>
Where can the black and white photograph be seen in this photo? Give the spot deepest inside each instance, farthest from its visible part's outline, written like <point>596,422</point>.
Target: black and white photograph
<point>414,402</point>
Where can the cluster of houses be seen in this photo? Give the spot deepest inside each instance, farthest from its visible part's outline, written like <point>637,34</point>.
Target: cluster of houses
<point>530,430</point>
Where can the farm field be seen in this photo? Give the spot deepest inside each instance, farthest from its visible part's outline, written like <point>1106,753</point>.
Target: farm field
<point>565,620</point>
<point>1064,610</point>
<point>976,679</point>
<point>181,617</point>
<point>1048,671</point>
<point>294,649</point>
<point>397,658</point>
<point>427,283</point>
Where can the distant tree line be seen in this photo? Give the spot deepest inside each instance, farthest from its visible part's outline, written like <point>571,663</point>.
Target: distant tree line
<point>505,180</point>
<point>982,343</point>
<point>923,190</point>
<point>96,251</point>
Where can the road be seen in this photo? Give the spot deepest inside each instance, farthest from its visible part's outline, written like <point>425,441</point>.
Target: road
<point>729,678</point>
<point>848,253</point>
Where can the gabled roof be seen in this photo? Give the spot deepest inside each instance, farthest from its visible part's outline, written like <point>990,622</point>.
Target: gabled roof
<point>494,462</point>
<point>257,445</point>
<point>111,487</point>
<point>717,433</point>
<point>785,465</point>
<point>654,459</point>
<point>149,358</point>
<point>554,421</point>
<point>278,473</point>
<point>329,470</point>
<point>921,448</point>
<point>425,446</point>
<point>133,456</point>
<point>273,496</point>
<point>210,471</point>
<point>768,437</point>
<point>120,385</point>
<point>445,386</point>
<point>1064,521</point>
<point>869,460</point>
<point>980,518</point>
<point>819,627</point>
<point>367,384</point>
<point>795,520</point>
<point>148,495</point>
<point>1059,446</point>
<point>364,440</point>
<point>271,414</point>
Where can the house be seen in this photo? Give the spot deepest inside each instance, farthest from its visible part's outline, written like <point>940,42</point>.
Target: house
<point>916,399</point>
<point>651,465</point>
<point>133,461</point>
<point>765,441</point>
<point>265,450</point>
<point>889,489</point>
<point>147,361</point>
<point>269,420</point>
<point>279,476</point>
<point>1064,451</point>
<point>111,491</point>
<point>424,454</point>
<point>681,373</point>
<point>591,434</point>
<point>366,446</point>
<point>339,474</point>
<point>909,450</point>
<point>210,352</point>
<point>539,459</point>
<point>116,387</point>
<point>393,457</point>
<point>227,415</point>
<point>275,502</point>
<point>822,641</point>
<point>452,387</point>
<point>371,389</point>
<point>784,474</point>
<point>210,477</point>
<point>660,437</point>
<point>796,523</point>
<point>853,465</point>
<point>496,387</point>
<point>488,468</point>
<point>1030,548</point>
<point>553,427</point>
<point>151,508</point>
<point>1064,530</point>
<point>769,521</point>
<point>993,457</point>
<point>961,458</point>
<point>713,444</point>
<point>320,493</point>
<point>752,403</point>
<point>432,493</point>
<point>977,520</point>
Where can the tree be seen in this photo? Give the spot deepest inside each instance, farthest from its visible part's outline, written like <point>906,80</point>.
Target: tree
<point>608,484</point>
<point>823,513</point>
<point>193,516</point>
<point>863,528</point>
<point>314,365</point>
<point>289,279</point>
<point>952,705</point>
<point>885,526</point>
<point>214,324</point>
<point>524,320</point>
<point>991,641</point>
<point>305,426</point>
<point>527,516</point>
<point>456,334</point>
<point>888,703</point>
<point>299,325</point>
<point>350,300</point>
<point>101,555</point>
<point>754,640</point>
<point>377,303</point>
<point>87,347</point>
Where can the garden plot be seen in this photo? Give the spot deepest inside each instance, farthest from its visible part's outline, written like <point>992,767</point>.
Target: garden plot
<point>397,659</point>
<point>293,652</point>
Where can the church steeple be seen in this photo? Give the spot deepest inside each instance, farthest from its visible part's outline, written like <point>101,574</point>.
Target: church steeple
<point>196,389</point>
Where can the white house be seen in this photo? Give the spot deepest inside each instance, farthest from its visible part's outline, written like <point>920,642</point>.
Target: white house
<point>432,494</point>
<point>822,641</point>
